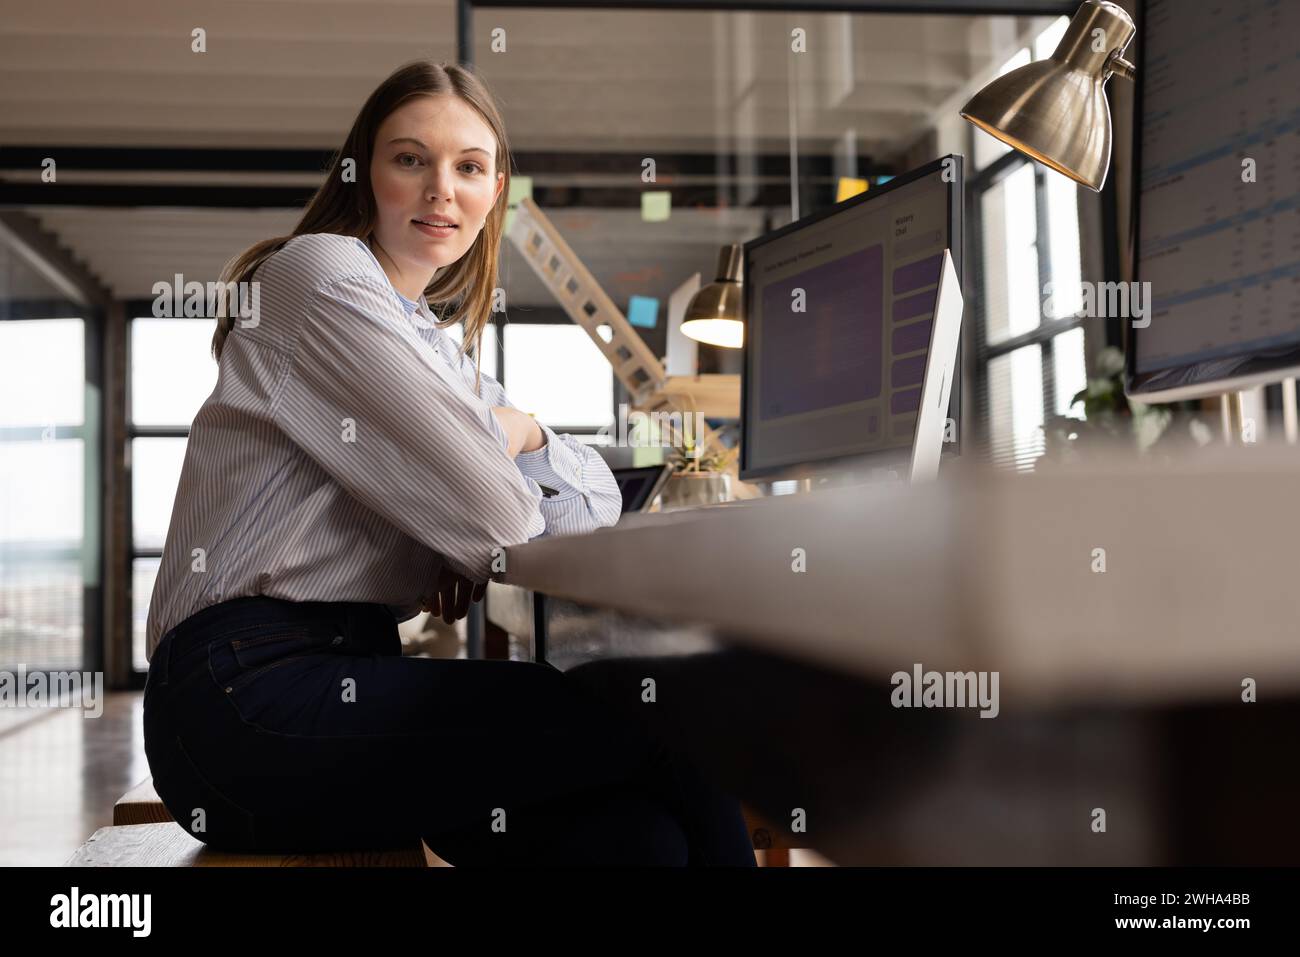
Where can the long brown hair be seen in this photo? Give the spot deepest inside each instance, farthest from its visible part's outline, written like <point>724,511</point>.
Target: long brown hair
<point>464,288</point>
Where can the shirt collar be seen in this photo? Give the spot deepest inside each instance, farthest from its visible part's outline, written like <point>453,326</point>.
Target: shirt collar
<point>411,305</point>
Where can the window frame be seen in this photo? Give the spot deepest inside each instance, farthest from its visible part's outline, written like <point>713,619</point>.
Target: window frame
<point>91,434</point>
<point>137,309</point>
<point>1047,330</point>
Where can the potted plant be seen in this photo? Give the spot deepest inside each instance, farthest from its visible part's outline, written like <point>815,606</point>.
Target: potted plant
<point>700,473</point>
<point>1110,418</point>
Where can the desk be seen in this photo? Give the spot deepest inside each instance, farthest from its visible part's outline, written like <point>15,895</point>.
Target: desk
<point>1119,689</point>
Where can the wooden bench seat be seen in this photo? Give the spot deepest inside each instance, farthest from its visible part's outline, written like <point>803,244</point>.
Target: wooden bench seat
<point>163,843</point>
<point>169,845</point>
<point>140,805</point>
<point>172,846</point>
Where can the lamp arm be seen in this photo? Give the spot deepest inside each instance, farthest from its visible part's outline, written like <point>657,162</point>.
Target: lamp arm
<point>1119,66</point>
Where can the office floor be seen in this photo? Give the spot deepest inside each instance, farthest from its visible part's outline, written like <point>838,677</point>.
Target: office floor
<point>60,774</point>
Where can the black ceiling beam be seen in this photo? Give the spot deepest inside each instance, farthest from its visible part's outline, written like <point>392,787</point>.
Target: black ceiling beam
<point>813,169</point>
<point>119,195</point>
<point>129,194</point>
<point>205,159</point>
<point>170,159</point>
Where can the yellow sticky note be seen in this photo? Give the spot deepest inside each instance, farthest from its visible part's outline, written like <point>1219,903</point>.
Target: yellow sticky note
<point>656,205</point>
<point>850,187</point>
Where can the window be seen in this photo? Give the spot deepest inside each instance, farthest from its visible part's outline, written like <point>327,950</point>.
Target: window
<point>1027,269</point>
<point>555,372</point>
<point>172,374</point>
<point>46,559</point>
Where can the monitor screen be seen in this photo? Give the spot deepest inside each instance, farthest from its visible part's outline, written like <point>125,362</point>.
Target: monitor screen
<point>639,485</point>
<point>1218,236</point>
<point>839,310</point>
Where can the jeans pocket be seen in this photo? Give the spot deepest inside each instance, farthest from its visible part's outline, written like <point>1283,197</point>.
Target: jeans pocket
<point>277,642</point>
<point>259,673</point>
<point>236,662</point>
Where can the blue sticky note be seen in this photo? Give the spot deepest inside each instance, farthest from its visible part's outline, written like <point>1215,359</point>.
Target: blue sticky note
<point>643,311</point>
<point>882,180</point>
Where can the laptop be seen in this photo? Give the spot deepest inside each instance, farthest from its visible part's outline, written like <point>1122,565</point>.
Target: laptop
<point>641,485</point>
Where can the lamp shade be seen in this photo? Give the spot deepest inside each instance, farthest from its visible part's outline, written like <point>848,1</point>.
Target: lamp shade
<point>713,315</point>
<point>1055,110</point>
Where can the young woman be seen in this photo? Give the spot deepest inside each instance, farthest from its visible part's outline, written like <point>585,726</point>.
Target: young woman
<point>351,467</point>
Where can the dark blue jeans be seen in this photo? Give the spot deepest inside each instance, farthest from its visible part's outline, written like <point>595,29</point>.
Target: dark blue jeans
<point>297,727</point>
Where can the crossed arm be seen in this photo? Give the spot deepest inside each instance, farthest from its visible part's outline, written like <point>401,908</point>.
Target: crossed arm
<point>455,593</point>
<point>440,478</point>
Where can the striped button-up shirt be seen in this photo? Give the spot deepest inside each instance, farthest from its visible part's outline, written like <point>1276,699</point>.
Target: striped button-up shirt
<point>344,455</point>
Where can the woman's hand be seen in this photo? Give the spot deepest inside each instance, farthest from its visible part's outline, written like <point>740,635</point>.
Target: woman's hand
<point>523,431</point>
<point>455,593</point>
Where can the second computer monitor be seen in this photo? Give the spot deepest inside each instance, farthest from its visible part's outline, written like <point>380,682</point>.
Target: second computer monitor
<point>840,312</point>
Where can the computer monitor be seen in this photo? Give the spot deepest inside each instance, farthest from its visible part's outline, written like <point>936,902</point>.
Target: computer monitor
<point>851,340</point>
<point>1217,201</point>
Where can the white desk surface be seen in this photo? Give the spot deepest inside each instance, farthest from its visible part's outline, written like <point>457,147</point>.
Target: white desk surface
<point>985,571</point>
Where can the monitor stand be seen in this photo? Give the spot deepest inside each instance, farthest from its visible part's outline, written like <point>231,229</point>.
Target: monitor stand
<point>940,367</point>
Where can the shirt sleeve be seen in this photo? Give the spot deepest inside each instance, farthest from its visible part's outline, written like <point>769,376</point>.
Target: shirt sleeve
<point>586,496</point>
<point>367,399</point>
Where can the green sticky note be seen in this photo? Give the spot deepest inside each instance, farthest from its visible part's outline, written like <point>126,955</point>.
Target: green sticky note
<point>656,205</point>
<point>647,455</point>
<point>520,187</point>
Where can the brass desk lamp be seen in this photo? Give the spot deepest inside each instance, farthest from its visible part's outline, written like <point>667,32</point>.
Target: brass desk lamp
<point>1055,110</point>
